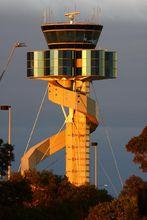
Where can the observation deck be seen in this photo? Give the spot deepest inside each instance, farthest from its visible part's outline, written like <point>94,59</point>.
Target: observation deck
<point>72,53</point>
<point>75,35</point>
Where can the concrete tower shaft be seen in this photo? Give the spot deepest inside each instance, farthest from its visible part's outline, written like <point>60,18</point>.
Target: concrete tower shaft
<point>78,143</point>
<point>80,122</point>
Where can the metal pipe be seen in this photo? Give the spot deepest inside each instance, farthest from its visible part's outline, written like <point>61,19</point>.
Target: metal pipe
<point>9,139</point>
<point>95,144</point>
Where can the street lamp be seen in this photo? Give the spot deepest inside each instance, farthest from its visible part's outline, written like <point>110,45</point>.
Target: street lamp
<point>8,108</point>
<point>95,144</point>
<point>104,186</point>
<point>16,45</point>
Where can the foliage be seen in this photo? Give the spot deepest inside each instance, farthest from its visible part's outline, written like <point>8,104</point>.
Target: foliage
<point>53,195</point>
<point>132,186</point>
<point>138,146</point>
<point>43,195</point>
<point>124,208</point>
<point>6,157</point>
<point>88,196</point>
<point>15,193</point>
<point>58,195</point>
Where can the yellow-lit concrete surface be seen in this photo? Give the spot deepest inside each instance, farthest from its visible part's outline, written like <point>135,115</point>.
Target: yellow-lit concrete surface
<point>41,151</point>
<point>80,122</point>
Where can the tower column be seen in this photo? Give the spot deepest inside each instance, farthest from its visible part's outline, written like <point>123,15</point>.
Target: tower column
<point>77,141</point>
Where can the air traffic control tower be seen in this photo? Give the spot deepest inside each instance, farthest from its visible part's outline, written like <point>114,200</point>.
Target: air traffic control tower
<point>69,66</point>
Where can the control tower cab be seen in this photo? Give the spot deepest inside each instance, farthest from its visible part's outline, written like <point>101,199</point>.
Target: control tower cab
<point>71,35</point>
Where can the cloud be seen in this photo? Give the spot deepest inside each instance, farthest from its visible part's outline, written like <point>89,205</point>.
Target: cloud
<point>132,10</point>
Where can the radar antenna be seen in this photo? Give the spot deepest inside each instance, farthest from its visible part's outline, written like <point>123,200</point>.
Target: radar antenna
<point>71,16</point>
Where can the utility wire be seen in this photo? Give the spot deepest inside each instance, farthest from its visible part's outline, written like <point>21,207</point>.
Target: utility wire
<point>108,177</point>
<point>108,139</point>
<point>33,128</point>
<point>52,163</point>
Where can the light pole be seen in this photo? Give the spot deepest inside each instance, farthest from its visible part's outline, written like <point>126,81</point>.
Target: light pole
<point>16,45</point>
<point>8,108</point>
<point>95,144</point>
<point>9,138</point>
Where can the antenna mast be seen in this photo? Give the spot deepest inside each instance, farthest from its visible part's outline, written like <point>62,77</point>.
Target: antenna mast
<point>45,15</point>
<point>71,16</point>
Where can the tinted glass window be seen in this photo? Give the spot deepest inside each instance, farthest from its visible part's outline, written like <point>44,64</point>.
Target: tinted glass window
<point>30,72</point>
<point>47,71</point>
<point>88,36</point>
<point>79,36</point>
<point>95,71</point>
<point>95,36</point>
<point>30,64</point>
<point>71,36</point>
<point>30,55</point>
<point>51,37</point>
<point>62,36</point>
<point>47,54</point>
<point>95,54</point>
<point>67,62</point>
<point>94,63</point>
<point>78,71</point>
<point>108,64</point>
<point>67,54</point>
<point>51,70</point>
<point>60,54</point>
<point>65,71</point>
<point>47,63</point>
<point>78,54</point>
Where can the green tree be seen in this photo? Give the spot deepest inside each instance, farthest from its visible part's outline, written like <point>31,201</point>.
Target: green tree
<point>6,157</point>
<point>15,193</point>
<point>88,196</point>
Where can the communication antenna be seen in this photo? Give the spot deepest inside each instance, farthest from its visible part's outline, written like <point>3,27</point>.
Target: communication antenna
<point>66,9</point>
<point>49,14</point>
<point>52,15</point>
<point>98,13</point>
<point>75,6</point>
<point>93,15</point>
<point>71,16</point>
<point>45,15</point>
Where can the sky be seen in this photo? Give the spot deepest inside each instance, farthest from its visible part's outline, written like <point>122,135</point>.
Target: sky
<point>123,101</point>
